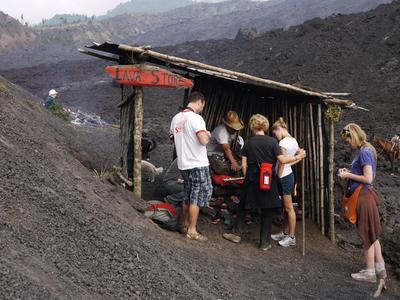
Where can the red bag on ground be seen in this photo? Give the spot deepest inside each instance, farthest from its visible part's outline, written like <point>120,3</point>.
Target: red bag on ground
<point>265,176</point>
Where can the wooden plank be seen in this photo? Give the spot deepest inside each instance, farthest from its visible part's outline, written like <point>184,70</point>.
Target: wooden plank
<point>146,75</point>
<point>232,74</point>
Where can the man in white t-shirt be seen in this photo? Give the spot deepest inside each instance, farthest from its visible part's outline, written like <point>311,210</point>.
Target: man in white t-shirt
<point>222,137</point>
<point>191,137</point>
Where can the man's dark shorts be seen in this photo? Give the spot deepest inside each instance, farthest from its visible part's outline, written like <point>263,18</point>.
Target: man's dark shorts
<point>287,183</point>
<point>198,186</point>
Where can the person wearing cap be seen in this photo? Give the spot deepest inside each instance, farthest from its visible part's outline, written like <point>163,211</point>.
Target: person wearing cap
<point>222,137</point>
<point>50,98</point>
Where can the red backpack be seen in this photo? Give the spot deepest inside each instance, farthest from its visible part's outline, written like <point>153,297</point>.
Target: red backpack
<point>164,214</point>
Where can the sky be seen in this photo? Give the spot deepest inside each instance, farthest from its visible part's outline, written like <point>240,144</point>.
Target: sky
<point>34,11</point>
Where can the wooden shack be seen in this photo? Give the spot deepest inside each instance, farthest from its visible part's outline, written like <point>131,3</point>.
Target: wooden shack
<point>303,109</point>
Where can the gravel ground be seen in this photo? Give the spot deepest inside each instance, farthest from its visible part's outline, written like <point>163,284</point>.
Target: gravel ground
<point>66,234</point>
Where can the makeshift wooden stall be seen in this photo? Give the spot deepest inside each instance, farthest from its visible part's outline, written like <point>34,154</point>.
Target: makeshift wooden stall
<point>303,109</point>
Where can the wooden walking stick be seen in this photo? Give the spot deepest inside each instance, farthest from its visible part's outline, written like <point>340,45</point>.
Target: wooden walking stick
<point>303,214</point>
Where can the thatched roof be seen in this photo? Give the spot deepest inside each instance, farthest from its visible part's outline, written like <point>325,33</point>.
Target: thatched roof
<point>124,54</point>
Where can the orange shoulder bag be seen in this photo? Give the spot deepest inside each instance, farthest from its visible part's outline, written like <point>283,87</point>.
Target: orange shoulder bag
<point>349,205</point>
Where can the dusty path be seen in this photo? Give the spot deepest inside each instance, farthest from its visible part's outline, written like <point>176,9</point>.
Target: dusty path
<point>66,235</point>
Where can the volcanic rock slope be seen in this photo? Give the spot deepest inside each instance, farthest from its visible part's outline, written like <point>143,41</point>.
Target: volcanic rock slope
<point>66,235</point>
<point>356,53</point>
<point>200,21</point>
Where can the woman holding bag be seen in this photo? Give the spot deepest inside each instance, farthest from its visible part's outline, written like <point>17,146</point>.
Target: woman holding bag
<point>361,177</point>
<point>259,149</point>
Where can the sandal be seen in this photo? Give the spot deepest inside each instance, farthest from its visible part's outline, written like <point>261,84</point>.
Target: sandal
<point>196,237</point>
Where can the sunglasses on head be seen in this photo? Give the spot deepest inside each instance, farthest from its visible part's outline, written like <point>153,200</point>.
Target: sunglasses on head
<point>346,132</point>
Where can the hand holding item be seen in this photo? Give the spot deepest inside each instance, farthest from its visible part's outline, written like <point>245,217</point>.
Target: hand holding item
<point>343,173</point>
<point>208,134</point>
<point>301,153</point>
<point>235,166</point>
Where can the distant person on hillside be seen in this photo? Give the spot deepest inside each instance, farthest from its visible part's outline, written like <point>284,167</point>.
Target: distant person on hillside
<point>288,147</point>
<point>50,100</point>
<point>360,179</point>
<point>56,107</point>
<point>227,143</point>
<point>191,137</point>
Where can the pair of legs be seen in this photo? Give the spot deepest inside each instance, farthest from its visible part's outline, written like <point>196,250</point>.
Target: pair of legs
<point>190,216</point>
<point>289,221</point>
<point>373,255</point>
<point>197,190</point>
<point>265,226</point>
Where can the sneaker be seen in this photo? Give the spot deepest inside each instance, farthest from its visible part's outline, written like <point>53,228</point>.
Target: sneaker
<point>288,241</point>
<point>278,236</point>
<point>364,276</point>
<point>232,237</point>
<point>265,247</point>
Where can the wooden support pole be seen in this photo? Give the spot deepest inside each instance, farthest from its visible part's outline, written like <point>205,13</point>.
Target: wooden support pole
<point>331,182</point>
<point>303,213</point>
<point>309,165</point>
<point>315,178</point>
<point>137,163</point>
<point>321,170</point>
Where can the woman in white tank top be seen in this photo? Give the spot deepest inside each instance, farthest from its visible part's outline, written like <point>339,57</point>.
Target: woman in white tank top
<point>289,147</point>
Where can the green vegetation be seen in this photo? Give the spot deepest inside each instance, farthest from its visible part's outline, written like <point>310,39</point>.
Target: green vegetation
<point>145,6</point>
<point>4,89</point>
<point>333,113</point>
<point>59,111</point>
<point>66,19</point>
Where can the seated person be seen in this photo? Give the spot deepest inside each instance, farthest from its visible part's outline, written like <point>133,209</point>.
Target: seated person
<point>225,139</point>
<point>173,184</point>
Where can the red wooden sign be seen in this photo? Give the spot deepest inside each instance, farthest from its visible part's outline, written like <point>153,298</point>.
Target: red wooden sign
<point>146,75</point>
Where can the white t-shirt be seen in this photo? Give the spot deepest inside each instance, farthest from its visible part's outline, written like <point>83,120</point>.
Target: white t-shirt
<point>191,153</point>
<point>220,136</point>
<point>290,145</point>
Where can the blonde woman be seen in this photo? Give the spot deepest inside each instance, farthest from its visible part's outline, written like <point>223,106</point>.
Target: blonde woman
<point>259,148</point>
<point>363,170</point>
<point>288,147</point>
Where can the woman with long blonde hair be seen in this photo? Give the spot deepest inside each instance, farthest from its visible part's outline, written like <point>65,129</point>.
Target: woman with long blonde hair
<point>288,147</point>
<point>363,170</point>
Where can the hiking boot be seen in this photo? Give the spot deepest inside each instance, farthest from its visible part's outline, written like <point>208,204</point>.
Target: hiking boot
<point>265,247</point>
<point>364,276</point>
<point>288,241</point>
<point>278,236</point>
<point>232,237</point>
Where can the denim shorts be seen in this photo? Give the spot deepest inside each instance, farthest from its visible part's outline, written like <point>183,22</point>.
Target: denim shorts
<point>287,183</point>
<point>197,186</point>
